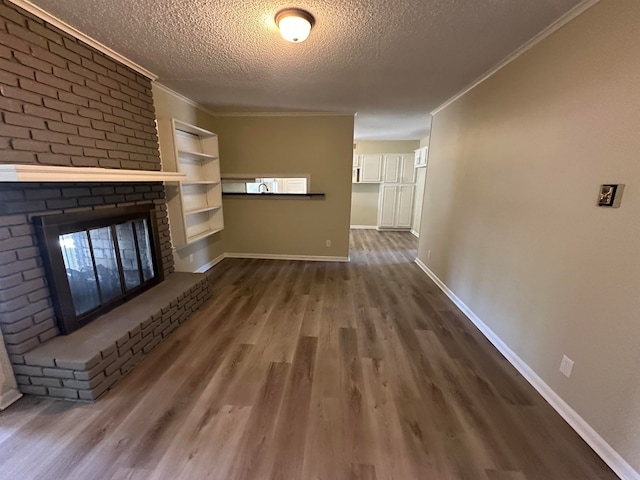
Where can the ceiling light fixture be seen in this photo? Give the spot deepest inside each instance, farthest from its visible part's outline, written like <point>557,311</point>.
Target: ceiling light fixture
<point>294,24</point>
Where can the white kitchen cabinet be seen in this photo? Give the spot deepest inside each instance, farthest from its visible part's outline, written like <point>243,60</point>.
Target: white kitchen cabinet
<point>407,170</point>
<point>398,168</point>
<point>420,157</point>
<point>404,212</point>
<point>391,168</point>
<point>395,209</point>
<point>292,185</point>
<point>371,168</point>
<point>195,205</point>
<point>356,160</point>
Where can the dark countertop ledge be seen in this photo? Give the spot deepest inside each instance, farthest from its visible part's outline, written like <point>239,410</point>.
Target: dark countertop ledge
<point>274,195</point>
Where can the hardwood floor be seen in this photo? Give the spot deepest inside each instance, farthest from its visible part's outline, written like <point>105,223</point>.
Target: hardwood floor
<point>309,371</point>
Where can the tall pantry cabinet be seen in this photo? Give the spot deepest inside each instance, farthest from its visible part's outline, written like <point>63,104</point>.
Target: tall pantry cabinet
<point>397,192</point>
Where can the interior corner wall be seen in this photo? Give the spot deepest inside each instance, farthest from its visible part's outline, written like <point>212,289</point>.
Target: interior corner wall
<point>421,178</point>
<point>320,146</point>
<point>511,221</point>
<point>168,105</point>
<point>364,204</point>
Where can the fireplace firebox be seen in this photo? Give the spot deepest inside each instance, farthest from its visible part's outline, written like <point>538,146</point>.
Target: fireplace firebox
<point>97,260</point>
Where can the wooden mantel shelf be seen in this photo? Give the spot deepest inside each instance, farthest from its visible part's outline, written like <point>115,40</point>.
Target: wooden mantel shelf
<point>44,173</point>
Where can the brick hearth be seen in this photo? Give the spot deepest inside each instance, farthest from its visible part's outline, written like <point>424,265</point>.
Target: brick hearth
<point>86,363</point>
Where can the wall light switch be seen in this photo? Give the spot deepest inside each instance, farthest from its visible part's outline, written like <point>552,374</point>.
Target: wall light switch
<point>566,365</point>
<point>610,195</point>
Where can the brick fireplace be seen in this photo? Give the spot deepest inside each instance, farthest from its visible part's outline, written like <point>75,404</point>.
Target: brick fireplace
<point>66,104</point>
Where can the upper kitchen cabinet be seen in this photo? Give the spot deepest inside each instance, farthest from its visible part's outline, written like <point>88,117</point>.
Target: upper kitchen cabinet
<point>370,168</point>
<point>407,170</point>
<point>398,168</point>
<point>420,157</point>
<point>391,168</point>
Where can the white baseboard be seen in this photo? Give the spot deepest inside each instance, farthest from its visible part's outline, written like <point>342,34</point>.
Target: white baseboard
<point>211,264</point>
<point>9,397</point>
<point>304,258</point>
<point>363,227</point>
<point>414,233</point>
<point>612,458</point>
<point>269,256</point>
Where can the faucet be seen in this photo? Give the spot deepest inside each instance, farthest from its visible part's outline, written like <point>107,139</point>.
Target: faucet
<point>265,186</point>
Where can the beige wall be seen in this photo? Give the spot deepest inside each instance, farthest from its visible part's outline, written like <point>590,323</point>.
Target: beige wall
<point>386,146</point>
<point>364,198</point>
<point>364,204</point>
<point>169,105</point>
<point>511,221</point>
<point>320,146</point>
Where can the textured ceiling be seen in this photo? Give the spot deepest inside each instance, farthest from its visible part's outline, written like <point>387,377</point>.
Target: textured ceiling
<point>391,61</point>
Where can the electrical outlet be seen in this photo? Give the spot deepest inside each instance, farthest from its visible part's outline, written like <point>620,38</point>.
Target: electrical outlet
<point>428,253</point>
<point>328,243</point>
<point>191,258</point>
<point>566,365</point>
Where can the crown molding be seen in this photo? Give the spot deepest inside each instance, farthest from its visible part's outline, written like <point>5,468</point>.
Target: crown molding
<point>554,27</point>
<point>282,114</point>
<point>195,104</point>
<point>65,27</point>
<point>179,96</point>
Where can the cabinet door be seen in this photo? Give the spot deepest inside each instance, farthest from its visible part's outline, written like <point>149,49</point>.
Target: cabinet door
<point>404,206</point>
<point>420,158</point>
<point>356,160</point>
<point>387,208</point>
<point>408,170</point>
<point>391,169</point>
<point>371,168</point>
<point>294,185</point>
<point>416,157</point>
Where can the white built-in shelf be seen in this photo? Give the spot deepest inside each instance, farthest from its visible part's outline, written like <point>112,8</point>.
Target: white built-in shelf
<point>195,204</point>
<point>195,156</point>
<point>51,173</point>
<point>200,210</point>
<point>204,235</point>
<point>203,182</point>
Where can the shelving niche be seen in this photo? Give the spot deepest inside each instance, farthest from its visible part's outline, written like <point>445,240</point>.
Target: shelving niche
<point>195,204</point>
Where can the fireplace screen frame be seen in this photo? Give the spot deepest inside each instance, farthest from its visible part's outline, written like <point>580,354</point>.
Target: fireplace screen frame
<point>49,228</point>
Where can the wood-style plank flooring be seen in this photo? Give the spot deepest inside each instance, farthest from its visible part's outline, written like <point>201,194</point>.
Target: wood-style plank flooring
<point>296,370</point>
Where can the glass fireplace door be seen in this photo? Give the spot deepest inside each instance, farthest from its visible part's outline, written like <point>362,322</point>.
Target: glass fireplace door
<point>97,261</point>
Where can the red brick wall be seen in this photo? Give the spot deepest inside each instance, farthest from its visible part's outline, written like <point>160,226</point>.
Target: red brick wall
<point>64,103</point>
